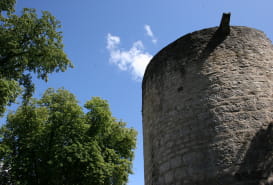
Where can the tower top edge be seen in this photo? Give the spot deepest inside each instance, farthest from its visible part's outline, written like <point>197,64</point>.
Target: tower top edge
<point>204,35</point>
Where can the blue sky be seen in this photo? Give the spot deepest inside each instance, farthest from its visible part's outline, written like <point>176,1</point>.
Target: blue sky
<point>110,43</point>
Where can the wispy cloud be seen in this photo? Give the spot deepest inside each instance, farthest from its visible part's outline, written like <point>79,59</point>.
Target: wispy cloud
<point>134,60</point>
<point>150,33</point>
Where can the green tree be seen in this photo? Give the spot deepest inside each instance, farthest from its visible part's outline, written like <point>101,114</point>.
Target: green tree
<point>52,141</point>
<point>29,45</point>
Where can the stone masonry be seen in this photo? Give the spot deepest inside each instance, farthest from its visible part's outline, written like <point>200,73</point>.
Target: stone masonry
<point>208,110</point>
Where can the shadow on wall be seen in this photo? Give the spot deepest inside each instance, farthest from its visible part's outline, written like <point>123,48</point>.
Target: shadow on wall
<point>217,38</point>
<point>220,35</point>
<point>257,166</point>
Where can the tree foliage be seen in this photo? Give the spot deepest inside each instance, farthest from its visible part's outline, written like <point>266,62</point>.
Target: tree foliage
<point>7,5</point>
<point>29,45</point>
<point>53,141</point>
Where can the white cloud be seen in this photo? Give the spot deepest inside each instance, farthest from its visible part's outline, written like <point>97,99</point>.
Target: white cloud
<point>150,33</point>
<point>148,30</point>
<point>134,60</point>
<point>112,41</point>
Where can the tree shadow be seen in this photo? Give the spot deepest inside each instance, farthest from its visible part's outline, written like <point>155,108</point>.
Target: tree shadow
<point>257,166</point>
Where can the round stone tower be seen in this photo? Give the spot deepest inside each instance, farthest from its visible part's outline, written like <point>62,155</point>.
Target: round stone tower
<point>208,109</point>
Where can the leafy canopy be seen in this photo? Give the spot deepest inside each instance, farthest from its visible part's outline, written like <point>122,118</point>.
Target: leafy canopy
<point>28,45</point>
<point>53,141</point>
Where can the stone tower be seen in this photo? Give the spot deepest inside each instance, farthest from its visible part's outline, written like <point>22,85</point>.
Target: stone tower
<point>208,109</point>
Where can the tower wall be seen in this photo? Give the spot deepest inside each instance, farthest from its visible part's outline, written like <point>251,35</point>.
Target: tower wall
<point>207,109</point>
